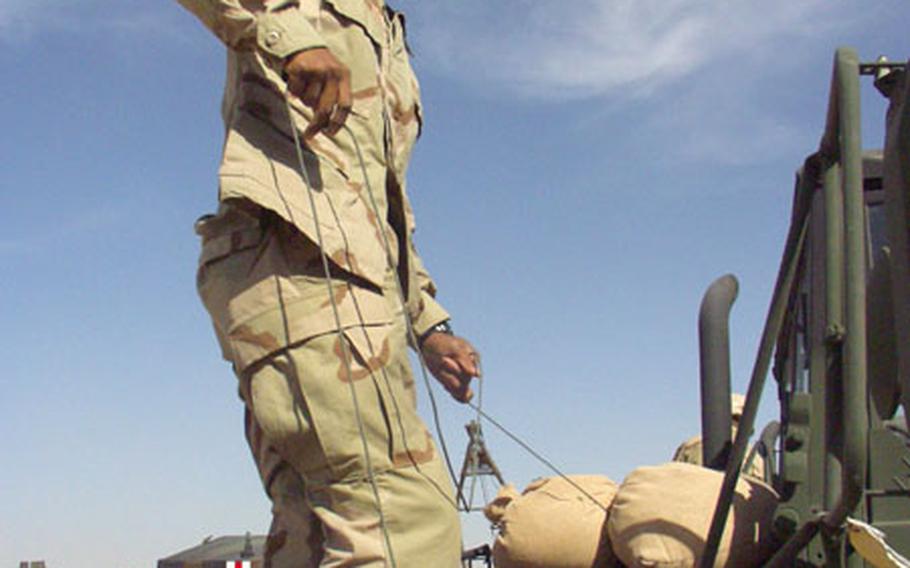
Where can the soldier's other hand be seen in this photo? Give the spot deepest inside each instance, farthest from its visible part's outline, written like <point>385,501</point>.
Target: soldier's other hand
<point>453,361</point>
<point>323,83</point>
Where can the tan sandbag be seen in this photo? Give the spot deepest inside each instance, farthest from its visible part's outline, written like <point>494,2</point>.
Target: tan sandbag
<point>552,524</point>
<point>496,508</point>
<point>661,517</point>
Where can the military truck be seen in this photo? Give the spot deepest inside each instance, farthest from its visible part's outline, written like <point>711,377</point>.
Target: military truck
<point>837,340</point>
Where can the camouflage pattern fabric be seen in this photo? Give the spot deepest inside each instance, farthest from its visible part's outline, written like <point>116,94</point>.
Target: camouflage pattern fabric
<point>690,451</point>
<point>260,163</point>
<point>295,536</point>
<point>300,420</point>
<point>261,280</point>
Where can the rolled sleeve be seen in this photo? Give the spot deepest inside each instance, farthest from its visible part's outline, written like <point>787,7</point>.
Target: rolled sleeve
<point>285,32</point>
<point>278,29</point>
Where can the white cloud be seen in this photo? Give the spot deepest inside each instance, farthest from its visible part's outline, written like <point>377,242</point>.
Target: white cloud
<point>578,48</point>
<point>697,73</point>
<point>722,124</point>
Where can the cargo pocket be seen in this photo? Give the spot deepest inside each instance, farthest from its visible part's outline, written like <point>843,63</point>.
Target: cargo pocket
<point>381,352</point>
<point>222,248</point>
<point>230,241</point>
<point>331,449</point>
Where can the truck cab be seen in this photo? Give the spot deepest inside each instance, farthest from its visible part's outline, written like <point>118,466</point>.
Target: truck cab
<point>836,340</point>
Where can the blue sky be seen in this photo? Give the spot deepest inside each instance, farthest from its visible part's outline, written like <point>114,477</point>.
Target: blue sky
<point>588,167</point>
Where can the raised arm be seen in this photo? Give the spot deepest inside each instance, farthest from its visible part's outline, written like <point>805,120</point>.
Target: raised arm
<point>275,27</point>
<point>278,29</point>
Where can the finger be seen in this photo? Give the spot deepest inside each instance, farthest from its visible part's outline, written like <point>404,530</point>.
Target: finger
<point>450,382</point>
<point>343,104</point>
<point>450,365</point>
<point>466,362</point>
<point>292,84</point>
<point>328,101</point>
<point>316,125</point>
<point>337,120</point>
<point>453,371</point>
<point>462,391</point>
<point>296,85</point>
<point>323,109</point>
<point>312,90</point>
<point>476,369</point>
<point>465,347</point>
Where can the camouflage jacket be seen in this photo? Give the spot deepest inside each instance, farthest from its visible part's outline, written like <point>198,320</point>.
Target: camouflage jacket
<point>260,162</point>
<point>690,451</point>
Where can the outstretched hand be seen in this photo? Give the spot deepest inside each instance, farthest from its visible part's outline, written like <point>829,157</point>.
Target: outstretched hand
<point>323,83</point>
<point>453,361</point>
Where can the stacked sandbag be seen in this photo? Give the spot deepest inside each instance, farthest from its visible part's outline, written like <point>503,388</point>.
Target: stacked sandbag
<point>552,524</point>
<point>661,517</point>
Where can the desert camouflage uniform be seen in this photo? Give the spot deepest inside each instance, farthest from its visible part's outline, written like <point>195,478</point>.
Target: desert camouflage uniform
<point>262,281</point>
<point>690,451</point>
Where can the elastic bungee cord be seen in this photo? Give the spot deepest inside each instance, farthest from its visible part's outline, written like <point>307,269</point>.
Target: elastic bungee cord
<point>412,335</point>
<point>346,354</point>
<point>385,378</point>
<point>412,338</point>
<point>537,456</point>
<point>423,366</point>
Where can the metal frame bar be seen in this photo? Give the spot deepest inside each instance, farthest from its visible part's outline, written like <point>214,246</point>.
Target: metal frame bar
<point>841,145</point>
<point>856,416</point>
<point>786,277</point>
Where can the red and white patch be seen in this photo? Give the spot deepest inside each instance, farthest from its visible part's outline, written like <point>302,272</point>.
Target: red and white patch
<point>238,564</point>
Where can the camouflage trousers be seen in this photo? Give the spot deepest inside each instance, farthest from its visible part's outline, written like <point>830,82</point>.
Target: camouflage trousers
<point>317,450</point>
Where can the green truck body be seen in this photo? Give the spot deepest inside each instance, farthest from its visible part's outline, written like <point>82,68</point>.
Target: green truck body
<point>836,341</point>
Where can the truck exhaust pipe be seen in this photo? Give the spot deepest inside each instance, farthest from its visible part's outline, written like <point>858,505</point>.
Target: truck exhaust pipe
<point>714,351</point>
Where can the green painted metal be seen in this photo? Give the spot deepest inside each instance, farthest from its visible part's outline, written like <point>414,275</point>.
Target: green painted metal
<point>843,383</point>
<point>856,419</point>
<point>834,255</point>
<point>837,459</point>
<point>794,246</point>
<point>785,556</point>
<point>897,211</point>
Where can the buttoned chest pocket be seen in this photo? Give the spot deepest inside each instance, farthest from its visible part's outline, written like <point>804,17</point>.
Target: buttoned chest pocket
<point>352,33</point>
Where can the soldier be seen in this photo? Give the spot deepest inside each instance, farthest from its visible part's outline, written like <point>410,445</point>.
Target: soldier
<point>312,300</point>
<point>690,451</point>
